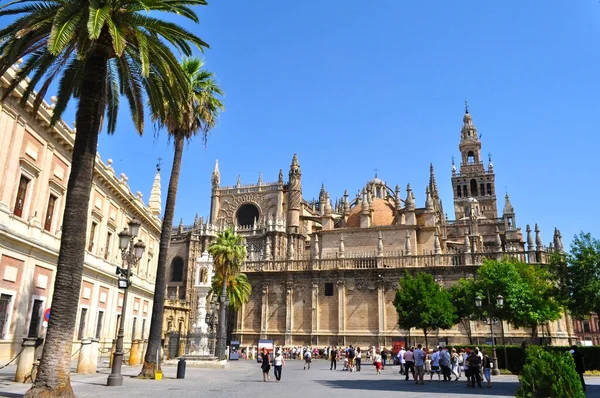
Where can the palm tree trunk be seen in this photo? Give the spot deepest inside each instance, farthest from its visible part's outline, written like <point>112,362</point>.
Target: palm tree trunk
<point>53,379</point>
<point>158,306</point>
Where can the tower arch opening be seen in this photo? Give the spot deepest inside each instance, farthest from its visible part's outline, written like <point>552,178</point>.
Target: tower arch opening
<point>473,187</point>
<point>471,157</point>
<point>246,214</point>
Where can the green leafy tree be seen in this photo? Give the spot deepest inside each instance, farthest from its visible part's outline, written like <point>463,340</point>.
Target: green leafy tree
<point>462,295</point>
<point>96,51</point>
<point>577,276</point>
<point>196,113</point>
<point>549,375</point>
<point>239,289</point>
<point>228,252</point>
<point>527,291</point>
<point>422,303</point>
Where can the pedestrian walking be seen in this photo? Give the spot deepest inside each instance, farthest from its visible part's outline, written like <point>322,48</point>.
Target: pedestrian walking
<point>307,359</point>
<point>419,356</point>
<point>266,364</point>
<point>334,358</point>
<point>377,362</point>
<point>278,364</point>
<point>358,359</point>
<point>409,363</point>
<point>487,366</point>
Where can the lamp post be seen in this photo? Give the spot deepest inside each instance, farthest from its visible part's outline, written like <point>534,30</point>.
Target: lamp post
<point>222,338</point>
<point>499,304</point>
<point>131,253</point>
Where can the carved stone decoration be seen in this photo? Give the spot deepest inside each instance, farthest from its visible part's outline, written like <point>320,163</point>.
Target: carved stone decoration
<point>350,285</point>
<point>360,285</point>
<point>265,287</point>
<point>289,286</point>
<point>230,206</point>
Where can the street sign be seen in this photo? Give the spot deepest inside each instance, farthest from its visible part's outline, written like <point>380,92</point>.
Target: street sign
<point>47,315</point>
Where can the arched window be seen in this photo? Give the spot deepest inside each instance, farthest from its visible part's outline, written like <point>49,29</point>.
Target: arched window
<point>246,214</point>
<point>473,187</point>
<point>471,157</point>
<point>177,270</point>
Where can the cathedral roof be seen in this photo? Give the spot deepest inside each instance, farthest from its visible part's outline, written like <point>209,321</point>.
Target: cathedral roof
<point>382,214</point>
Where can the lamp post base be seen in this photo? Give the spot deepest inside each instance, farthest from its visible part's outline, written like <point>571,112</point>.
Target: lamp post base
<point>495,369</point>
<point>115,378</point>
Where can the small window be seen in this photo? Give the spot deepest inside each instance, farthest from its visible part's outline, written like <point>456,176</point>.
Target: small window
<point>586,327</point>
<point>107,245</point>
<point>21,193</point>
<point>5,300</point>
<point>82,321</point>
<point>329,289</point>
<point>177,270</point>
<point>36,318</point>
<point>482,189</point>
<point>99,323</point>
<point>489,189</point>
<point>50,213</point>
<point>92,236</point>
<point>133,328</point>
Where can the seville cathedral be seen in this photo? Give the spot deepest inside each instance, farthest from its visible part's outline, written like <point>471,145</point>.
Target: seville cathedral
<point>325,272</point>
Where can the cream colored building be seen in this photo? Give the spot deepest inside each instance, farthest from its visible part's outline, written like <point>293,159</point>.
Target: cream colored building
<point>34,170</point>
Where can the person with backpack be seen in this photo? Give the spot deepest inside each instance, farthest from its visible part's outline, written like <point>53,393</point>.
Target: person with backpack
<point>384,357</point>
<point>487,366</point>
<point>307,359</point>
<point>351,356</point>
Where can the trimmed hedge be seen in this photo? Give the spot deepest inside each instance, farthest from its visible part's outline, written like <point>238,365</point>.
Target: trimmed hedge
<point>516,355</point>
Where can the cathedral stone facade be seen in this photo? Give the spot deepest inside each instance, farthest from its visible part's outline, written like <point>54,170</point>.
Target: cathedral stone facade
<point>326,272</point>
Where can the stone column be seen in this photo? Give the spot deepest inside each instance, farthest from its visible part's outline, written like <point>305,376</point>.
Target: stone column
<point>381,313</point>
<point>314,325</point>
<point>84,361</point>
<point>26,359</point>
<point>341,311</point>
<point>264,310</point>
<point>95,347</point>
<point>289,310</point>
<point>134,353</point>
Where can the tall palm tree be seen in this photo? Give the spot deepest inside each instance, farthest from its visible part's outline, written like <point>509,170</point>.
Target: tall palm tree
<point>228,252</point>
<point>239,289</point>
<point>98,50</point>
<point>197,113</point>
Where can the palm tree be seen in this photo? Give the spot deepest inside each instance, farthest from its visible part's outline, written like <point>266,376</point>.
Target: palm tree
<point>97,51</point>
<point>228,252</point>
<point>239,289</point>
<point>196,113</point>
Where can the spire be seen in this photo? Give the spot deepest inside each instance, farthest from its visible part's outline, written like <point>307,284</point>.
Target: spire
<point>196,220</point>
<point>346,203</point>
<point>154,203</point>
<point>437,247</point>
<point>508,208</point>
<point>529,238</point>
<point>432,183</point>
<point>260,181</point>
<point>397,200</point>
<point>469,131</point>
<point>216,176</point>
<point>558,245</point>
<point>407,246</point>
<point>498,240</point>
<point>295,166</point>
<point>428,201</point>
<point>490,164</point>
<point>453,167</point>
<point>239,181</point>
<point>410,200</point>
<point>539,245</point>
<point>364,204</point>
<point>280,177</point>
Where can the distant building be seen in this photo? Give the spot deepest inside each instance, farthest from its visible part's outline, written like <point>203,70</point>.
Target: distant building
<point>34,169</point>
<point>588,330</point>
<point>325,272</point>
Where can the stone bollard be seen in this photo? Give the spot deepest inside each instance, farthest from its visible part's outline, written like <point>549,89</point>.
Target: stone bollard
<point>84,361</point>
<point>113,348</point>
<point>95,347</point>
<point>26,359</point>
<point>134,353</point>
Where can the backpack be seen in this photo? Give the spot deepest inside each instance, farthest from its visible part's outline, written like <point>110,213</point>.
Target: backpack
<point>351,353</point>
<point>306,355</point>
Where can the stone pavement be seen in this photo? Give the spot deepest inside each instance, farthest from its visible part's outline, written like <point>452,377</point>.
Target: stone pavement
<point>244,379</point>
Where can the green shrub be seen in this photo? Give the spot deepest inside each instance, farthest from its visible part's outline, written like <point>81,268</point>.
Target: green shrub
<point>549,375</point>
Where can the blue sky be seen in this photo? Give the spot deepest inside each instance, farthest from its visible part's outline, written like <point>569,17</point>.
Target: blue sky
<point>354,86</point>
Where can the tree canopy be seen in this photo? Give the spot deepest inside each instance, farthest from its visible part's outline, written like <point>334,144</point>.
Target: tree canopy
<point>422,303</point>
<point>462,295</point>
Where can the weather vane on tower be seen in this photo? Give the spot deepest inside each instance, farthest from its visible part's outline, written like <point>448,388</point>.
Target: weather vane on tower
<point>159,163</point>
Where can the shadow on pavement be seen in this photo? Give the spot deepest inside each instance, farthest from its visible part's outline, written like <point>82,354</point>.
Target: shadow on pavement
<point>502,389</point>
<point>11,395</point>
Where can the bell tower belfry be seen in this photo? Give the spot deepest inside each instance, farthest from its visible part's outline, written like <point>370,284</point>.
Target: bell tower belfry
<point>473,180</point>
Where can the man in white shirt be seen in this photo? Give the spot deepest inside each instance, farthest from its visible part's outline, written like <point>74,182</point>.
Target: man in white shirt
<point>401,359</point>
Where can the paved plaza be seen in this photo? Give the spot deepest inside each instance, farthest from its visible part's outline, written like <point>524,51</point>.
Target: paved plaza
<point>244,379</point>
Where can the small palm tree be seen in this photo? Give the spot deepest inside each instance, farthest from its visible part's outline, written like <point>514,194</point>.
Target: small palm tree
<point>228,252</point>
<point>196,114</point>
<point>239,289</point>
<point>96,51</point>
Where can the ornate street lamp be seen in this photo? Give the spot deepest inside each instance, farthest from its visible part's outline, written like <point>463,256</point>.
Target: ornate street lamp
<point>131,253</point>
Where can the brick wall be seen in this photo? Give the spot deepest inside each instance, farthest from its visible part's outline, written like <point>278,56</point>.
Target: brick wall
<point>276,311</point>
<point>328,310</point>
<point>391,316</point>
<point>251,315</point>
<point>356,239</point>
<point>302,310</point>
